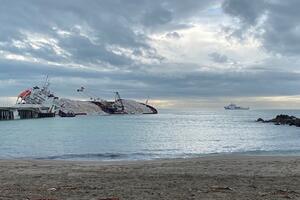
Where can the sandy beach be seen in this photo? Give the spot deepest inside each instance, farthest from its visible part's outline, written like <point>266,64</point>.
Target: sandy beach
<point>214,177</point>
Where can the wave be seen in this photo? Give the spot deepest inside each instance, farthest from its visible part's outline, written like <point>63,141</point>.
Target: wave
<point>154,155</point>
<point>118,156</point>
<point>269,152</point>
<point>99,156</point>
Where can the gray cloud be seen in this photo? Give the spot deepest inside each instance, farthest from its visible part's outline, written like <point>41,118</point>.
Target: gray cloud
<point>191,84</point>
<point>99,35</point>
<point>90,27</point>
<point>248,12</point>
<point>275,22</point>
<point>107,46</point>
<point>218,58</point>
<point>173,35</point>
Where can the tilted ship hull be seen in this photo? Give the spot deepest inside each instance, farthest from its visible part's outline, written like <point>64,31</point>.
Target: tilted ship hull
<point>38,102</point>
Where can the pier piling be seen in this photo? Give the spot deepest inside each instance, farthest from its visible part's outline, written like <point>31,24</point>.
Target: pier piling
<point>6,115</point>
<point>28,114</point>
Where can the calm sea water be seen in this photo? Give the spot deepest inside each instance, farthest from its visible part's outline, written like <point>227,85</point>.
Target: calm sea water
<point>170,134</point>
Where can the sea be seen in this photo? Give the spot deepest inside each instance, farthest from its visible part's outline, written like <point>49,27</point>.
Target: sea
<point>169,134</point>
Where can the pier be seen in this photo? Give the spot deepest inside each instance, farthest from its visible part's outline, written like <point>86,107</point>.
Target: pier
<point>24,112</point>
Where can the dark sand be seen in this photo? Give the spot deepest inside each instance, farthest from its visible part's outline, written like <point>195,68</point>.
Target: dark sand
<point>227,177</point>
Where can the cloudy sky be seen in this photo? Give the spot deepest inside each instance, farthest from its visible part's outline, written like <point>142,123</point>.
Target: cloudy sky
<point>202,53</point>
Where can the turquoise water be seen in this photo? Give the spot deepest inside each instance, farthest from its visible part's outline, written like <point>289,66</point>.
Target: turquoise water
<point>170,134</point>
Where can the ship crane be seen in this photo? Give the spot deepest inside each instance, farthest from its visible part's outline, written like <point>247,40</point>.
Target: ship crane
<point>118,101</point>
<point>147,100</point>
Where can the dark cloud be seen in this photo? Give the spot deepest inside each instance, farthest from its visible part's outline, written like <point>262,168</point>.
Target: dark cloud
<point>248,12</point>
<point>91,27</point>
<point>275,23</point>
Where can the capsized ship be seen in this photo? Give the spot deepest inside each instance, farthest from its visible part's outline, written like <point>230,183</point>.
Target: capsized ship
<point>39,102</point>
<point>235,107</point>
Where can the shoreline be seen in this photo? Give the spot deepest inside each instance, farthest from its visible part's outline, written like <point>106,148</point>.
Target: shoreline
<point>209,177</point>
<point>113,157</point>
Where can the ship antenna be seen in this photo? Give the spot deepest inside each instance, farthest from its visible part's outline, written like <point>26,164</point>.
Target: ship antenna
<point>46,83</point>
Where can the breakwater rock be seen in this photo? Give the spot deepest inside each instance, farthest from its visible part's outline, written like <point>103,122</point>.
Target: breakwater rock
<point>282,120</point>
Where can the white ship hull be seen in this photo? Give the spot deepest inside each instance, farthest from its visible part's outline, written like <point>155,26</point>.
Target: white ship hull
<point>235,107</point>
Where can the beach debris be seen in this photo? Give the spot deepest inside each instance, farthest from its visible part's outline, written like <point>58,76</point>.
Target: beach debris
<point>253,186</point>
<point>287,194</point>
<point>220,189</point>
<point>263,194</point>
<point>282,120</point>
<point>52,189</point>
<point>43,199</point>
<point>283,193</point>
<point>67,188</point>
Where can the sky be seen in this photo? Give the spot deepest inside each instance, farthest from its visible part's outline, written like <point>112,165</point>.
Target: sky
<point>204,53</point>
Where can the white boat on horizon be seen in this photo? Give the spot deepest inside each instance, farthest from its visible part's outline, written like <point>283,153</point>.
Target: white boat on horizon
<point>235,107</point>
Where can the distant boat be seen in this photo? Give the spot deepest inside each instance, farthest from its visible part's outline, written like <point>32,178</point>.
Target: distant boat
<point>235,107</point>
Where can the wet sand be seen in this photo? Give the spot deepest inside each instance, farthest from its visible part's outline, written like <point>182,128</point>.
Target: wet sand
<point>215,177</point>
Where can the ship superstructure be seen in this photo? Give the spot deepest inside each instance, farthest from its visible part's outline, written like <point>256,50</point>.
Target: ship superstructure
<point>38,102</point>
